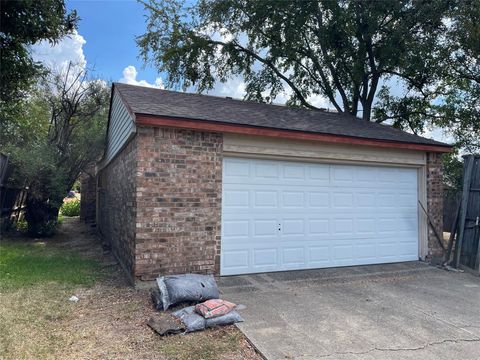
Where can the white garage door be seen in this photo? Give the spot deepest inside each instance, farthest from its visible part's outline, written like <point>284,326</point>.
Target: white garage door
<point>280,215</point>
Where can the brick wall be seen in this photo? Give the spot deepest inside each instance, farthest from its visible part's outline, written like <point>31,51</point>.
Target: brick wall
<point>88,201</point>
<point>435,201</point>
<point>160,202</point>
<point>178,191</point>
<point>117,205</point>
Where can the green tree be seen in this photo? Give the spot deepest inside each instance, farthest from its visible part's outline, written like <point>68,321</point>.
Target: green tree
<point>70,116</point>
<point>343,50</point>
<point>452,100</point>
<point>352,52</point>
<point>460,108</point>
<point>24,23</point>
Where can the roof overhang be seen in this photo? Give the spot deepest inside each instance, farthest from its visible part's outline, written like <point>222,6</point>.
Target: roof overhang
<point>214,126</point>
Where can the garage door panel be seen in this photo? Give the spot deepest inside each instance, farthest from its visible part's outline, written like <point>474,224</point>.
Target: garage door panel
<point>366,250</point>
<point>265,257</point>
<point>292,227</point>
<point>235,261</point>
<point>343,252</point>
<point>235,168</point>
<point>265,228</point>
<point>237,198</point>
<point>319,226</point>
<point>279,215</point>
<point>293,256</point>
<point>236,229</point>
<point>342,200</point>
<point>265,199</point>
<point>366,226</point>
<point>318,173</point>
<point>266,169</point>
<point>319,255</point>
<point>293,199</point>
<point>293,171</point>
<point>319,199</point>
<point>343,226</point>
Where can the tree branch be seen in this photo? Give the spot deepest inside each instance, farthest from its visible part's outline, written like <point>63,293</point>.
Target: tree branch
<point>272,66</point>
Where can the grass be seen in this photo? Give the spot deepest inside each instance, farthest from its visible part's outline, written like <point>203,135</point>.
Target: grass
<point>109,322</point>
<point>26,263</point>
<point>36,280</point>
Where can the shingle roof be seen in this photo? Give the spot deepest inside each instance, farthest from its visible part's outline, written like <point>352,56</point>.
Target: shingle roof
<point>150,101</point>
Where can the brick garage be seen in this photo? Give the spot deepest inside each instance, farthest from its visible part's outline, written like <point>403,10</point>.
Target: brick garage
<point>161,181</point>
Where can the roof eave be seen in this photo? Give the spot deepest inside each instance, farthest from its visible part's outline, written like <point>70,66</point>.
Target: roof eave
<point>204,125</point>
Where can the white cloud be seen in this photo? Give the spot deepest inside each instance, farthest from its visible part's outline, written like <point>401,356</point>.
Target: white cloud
<point>68,49</point>
<point>438,134</point>
<point>234,87</point>
<point>130,77</point>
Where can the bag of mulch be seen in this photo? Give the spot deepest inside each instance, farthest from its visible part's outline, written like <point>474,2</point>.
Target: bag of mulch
<point>196,288</point>
<point>190,319</point>
<point>156,299</point>
<point>195,322</point>
<point>214,308</point>
<point>228,319</point>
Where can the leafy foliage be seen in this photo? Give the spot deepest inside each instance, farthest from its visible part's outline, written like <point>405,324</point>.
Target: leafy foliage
<point>338,49</point>
<point>24,23</point>
<point>60,132</point>
<point>452,100</point>
<point>411,64</point>
<point>70,208</point>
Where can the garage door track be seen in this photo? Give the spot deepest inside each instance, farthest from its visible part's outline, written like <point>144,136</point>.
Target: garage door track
<point>393,311</point>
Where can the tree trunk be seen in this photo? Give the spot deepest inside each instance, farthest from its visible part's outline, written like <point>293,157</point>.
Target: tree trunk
<point>41,217</point>
<point>367,111</point>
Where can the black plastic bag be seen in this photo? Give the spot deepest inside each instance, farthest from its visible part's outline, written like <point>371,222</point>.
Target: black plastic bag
<point>156,299</point>
<point>230,318</point>
<point>190,319</point>
<point>195,322</point>
<point>176,289</point>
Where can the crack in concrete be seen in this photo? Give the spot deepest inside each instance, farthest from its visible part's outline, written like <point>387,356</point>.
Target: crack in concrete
<point>400,349</point>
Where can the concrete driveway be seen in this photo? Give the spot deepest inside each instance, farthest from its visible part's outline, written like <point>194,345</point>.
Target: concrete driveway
<point>395,311</point>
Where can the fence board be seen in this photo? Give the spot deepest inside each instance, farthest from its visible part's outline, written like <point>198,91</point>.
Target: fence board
<point>469,223</point>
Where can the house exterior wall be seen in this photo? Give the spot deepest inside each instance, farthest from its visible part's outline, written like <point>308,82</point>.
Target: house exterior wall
<point>179,174</point>
<point>160,198</point>
<point>117,205</point>
<point>88,199</point>
<point>435,202</point>
<point>121,128</point>
<point>307,150</point>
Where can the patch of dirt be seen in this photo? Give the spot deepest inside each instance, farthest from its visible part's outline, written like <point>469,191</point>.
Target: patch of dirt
<point>110,319</point>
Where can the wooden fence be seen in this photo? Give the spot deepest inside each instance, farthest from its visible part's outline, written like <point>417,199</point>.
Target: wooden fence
<point>12,199</point>
<point>451,202</point>
<point>467,243</point>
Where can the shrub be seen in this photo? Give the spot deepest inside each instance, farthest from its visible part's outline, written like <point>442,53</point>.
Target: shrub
<point>43,229</point>
<point>21,226</point>
<point>70,208</point>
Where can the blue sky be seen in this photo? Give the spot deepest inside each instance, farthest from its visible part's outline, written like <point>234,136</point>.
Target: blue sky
<point>110,28</point>
<point>105,41</point>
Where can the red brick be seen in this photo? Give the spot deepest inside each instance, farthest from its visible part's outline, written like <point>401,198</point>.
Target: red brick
<point>435,202</point>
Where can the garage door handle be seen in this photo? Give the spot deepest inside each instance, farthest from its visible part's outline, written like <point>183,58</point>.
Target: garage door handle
<point>279,227</point>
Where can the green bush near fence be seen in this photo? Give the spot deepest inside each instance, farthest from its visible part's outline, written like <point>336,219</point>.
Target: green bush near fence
<point>70,208</point>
